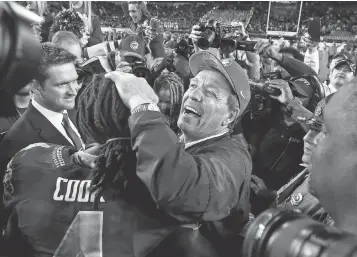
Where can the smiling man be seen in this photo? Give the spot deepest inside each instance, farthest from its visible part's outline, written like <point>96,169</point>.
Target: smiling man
<point>342,71</point>
<point>206,176</point>
<point>46,118</point>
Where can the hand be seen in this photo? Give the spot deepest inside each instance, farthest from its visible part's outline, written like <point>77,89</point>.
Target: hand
<point>153,29</point>
<point>151,33</point>
<point>259,187</point>
<point>85,159</point>
<point>124,67</point>
<point>286,94</point>
<point>195,34</point>
<point>132,90</point>
<point>265,49</point>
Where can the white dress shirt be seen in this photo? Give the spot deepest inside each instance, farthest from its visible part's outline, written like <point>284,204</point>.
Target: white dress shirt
<point>56,119</point>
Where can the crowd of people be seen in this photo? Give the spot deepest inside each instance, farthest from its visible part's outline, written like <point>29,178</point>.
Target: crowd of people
<point>150,144</point>
<point>187,14</point>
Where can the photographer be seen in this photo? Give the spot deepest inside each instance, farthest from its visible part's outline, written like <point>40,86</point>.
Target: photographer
<point>275,139</point>
<point>286,59</point>
<point>296,193</point>
<point>212,43</point>
<point>174,61</point>
<point>332,180</point>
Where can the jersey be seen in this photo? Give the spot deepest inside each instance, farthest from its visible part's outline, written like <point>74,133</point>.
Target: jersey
<point>50,211</point>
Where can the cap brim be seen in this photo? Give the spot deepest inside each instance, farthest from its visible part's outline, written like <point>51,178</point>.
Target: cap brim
<point>206,61</point>
<point>347,62</point>
<point>127,54</point>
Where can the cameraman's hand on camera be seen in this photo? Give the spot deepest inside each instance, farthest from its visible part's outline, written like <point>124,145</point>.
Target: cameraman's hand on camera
<point>286,94</point>
<point>195,34</point>
<point>266,50</point>
<point>133,91</point>
<point>124,67</point>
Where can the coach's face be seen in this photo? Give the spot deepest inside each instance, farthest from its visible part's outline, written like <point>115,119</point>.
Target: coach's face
<point>205,110</point>
<point>59,90</point>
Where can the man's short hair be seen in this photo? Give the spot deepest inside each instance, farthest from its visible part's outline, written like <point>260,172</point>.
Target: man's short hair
<point>65,38</point>
<point>294,52</point>
<point>51,55</point>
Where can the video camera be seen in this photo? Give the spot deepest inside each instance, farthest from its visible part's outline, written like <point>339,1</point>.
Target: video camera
<point>284,232</point>
<point>140,70</point>
<point>223,36</point>
<point>260,104</point>
<point>19,49</point>
<point>307,88</point>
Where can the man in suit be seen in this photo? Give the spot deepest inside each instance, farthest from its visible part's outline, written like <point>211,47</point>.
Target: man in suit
<point>46,119</point>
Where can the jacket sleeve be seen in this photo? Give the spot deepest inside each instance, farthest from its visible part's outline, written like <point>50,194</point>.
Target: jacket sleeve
<point>296,67</point>
<point>188,187</point>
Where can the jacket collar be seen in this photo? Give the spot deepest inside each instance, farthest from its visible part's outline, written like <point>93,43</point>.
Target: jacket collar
<point>46,131</point>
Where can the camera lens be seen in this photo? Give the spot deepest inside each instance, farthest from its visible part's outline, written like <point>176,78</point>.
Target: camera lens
<point>203,43</point>
<point>19,49</point>
<point>279,232</point>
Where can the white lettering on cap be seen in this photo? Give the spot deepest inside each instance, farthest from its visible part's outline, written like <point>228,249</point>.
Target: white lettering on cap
<point>134,45</point>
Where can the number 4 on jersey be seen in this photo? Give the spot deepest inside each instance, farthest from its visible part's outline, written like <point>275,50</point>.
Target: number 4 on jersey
<point>84,237</point>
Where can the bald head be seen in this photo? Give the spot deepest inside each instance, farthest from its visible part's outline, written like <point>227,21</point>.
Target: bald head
<point>68,41</point>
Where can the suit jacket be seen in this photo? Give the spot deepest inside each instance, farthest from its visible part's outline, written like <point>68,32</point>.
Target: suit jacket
<point>32,127</point>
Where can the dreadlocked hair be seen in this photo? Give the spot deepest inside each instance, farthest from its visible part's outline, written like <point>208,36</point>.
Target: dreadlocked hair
<point>103,118</point>
<point>174,83</point>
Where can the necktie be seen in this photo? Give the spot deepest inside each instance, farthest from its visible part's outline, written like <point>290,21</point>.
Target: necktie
<point>71,133</point>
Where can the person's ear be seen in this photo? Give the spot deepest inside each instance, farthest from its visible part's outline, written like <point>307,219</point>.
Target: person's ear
<point>233,115</point>
<point>35,87</point>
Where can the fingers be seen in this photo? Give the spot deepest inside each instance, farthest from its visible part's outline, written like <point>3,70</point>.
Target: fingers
<point>124,67</point>
<point>274,97</point>
<point>255,179</point>
<point>254,187</point>
<point>275,85</point>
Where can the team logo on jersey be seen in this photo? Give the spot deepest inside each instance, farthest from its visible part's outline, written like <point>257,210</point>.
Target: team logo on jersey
<point>134,45</point>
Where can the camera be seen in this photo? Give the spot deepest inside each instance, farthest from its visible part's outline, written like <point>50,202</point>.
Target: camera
<point>226,37</point>
<point>307,88</point>
<point>208,31</point>
<point>232,37</point>
<point>19,49</point>
<point>285,232</point>
<point>260,104</point>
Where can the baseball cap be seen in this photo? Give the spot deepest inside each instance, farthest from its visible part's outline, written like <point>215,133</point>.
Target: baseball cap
<point>342,58</point>
<point>133,45</point>
<point>231,70</point>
